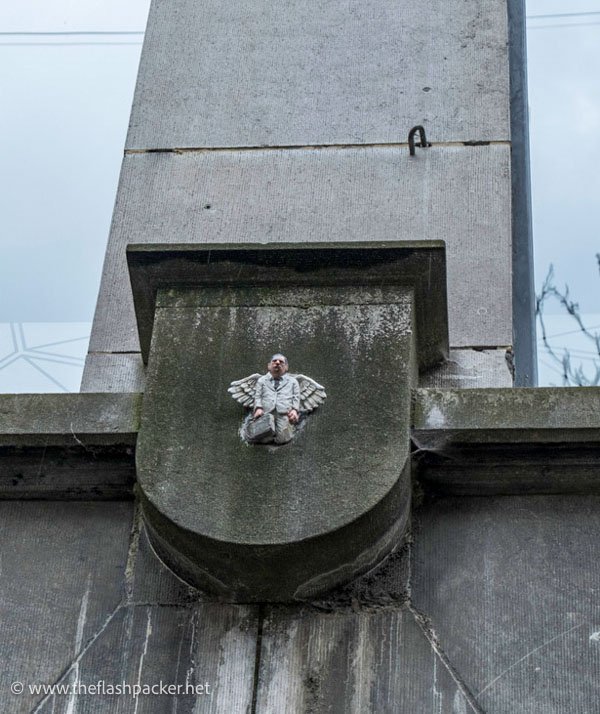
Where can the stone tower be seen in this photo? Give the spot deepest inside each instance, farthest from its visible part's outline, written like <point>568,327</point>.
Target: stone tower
<point>270,141</point>
<point>289,123</point>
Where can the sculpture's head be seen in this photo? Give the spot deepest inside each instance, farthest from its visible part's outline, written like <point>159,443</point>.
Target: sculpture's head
<point>278,365</point>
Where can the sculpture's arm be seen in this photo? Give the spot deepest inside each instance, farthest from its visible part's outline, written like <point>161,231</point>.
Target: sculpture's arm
<point>296,395</point>
<point>258,395</point>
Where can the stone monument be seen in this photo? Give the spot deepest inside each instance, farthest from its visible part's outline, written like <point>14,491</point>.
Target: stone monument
<point>427,540</point>
<point>268,524</point>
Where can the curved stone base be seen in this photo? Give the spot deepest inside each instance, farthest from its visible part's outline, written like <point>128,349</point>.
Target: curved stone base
<point>287,572</point>
<point>254,523</point>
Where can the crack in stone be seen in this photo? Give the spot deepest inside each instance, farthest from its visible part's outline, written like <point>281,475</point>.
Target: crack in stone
<point>180,605</point>
<point>42,460</point>
<point>78,657</point>
<point>424,623</point>
<point>134,544</point>
<point>529,654</point>
<point>257,659</point>
<point>308,147</point>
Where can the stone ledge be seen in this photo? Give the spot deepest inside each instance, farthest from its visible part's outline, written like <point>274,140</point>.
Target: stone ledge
<point>513,415</point>
<point>68,446</point>
<point>467,442</point>
<point>67,473</point>
<point>81,419</point>
<point>420,265</point>
<point>477,442</point>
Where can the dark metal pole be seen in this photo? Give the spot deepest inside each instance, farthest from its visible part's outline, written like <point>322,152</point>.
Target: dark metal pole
<point>523,293</point>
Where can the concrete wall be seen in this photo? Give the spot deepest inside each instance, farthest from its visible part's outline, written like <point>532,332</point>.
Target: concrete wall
<point>491,608</point>
<point>263,122</point>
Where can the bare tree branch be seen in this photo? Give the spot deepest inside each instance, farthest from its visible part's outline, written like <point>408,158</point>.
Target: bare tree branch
<point>571,375</point>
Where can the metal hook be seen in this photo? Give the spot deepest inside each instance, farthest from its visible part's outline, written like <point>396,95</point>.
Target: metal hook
<point>411,139</point>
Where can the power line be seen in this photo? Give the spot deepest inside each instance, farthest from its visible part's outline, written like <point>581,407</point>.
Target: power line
<point>562,14</point>
<point>579,354</point>
<point>571,332</point>
<point>565,345</point>
<point>583,350</point>
<point>69,44</point>
<point>552,367</point>
<point>574,357</point>
<point>556,27</point>
<point>83,32</point>
<point>141,32</point>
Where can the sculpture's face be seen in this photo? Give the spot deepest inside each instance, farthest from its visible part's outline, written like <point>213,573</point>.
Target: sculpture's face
<point>278,366</point>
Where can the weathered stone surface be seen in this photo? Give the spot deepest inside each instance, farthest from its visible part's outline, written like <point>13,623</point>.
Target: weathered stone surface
<point>549,414</point>
<point>508,583</point>
<point>153,582</point>
<point>207,646</point>
<point>468,369</point>
<point>458,195</point>
<point>335,72</point>
<point>68,446</point>
<point>383,586</point>
<point>114,372</point>
<point>303,276</point>
<point>378,661</point>
<point>80,473</point>
<point>68,419</point>
<point>486,469</point>
<point>508,441</point>
<point>63,577</point>
<point>510,589</point>
<point>265,522</point>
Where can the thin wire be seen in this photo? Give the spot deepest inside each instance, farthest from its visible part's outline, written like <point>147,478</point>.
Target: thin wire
<point>578,357</point>
<point>562,14</point>
<point>93,33</point>
<point>571,332</point>
<point>582,354</point>
<point>141,32</point>
<point>554,27</point>
<point>577,349</point>
<point>551,367</point>
<point>542,341</point>
<point>582,350</point>
<point>70,44</point>
<point>572,350</point>
<point>83,32</point>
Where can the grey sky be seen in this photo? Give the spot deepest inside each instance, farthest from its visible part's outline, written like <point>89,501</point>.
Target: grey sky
<point>67,101</point>
<point>564,98</point>
<point>72,15</point>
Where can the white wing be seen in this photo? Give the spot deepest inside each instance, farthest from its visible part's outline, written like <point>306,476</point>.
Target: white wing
<point>242,390</point>
<point>312,394</point>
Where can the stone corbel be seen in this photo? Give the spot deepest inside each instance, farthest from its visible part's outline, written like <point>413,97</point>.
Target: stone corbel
<point>256,523</point>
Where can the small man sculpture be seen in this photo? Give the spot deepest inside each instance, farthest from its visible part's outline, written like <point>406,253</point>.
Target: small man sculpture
<point>277,399</point>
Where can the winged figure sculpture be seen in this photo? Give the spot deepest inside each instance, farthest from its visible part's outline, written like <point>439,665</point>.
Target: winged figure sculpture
<point>277,400</point>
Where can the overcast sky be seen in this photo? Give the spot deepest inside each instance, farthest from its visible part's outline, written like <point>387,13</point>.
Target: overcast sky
<point>564,100</point>
<point>66,101</point>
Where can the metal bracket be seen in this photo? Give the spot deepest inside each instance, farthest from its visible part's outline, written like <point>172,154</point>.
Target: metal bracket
<point>411,139</point>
